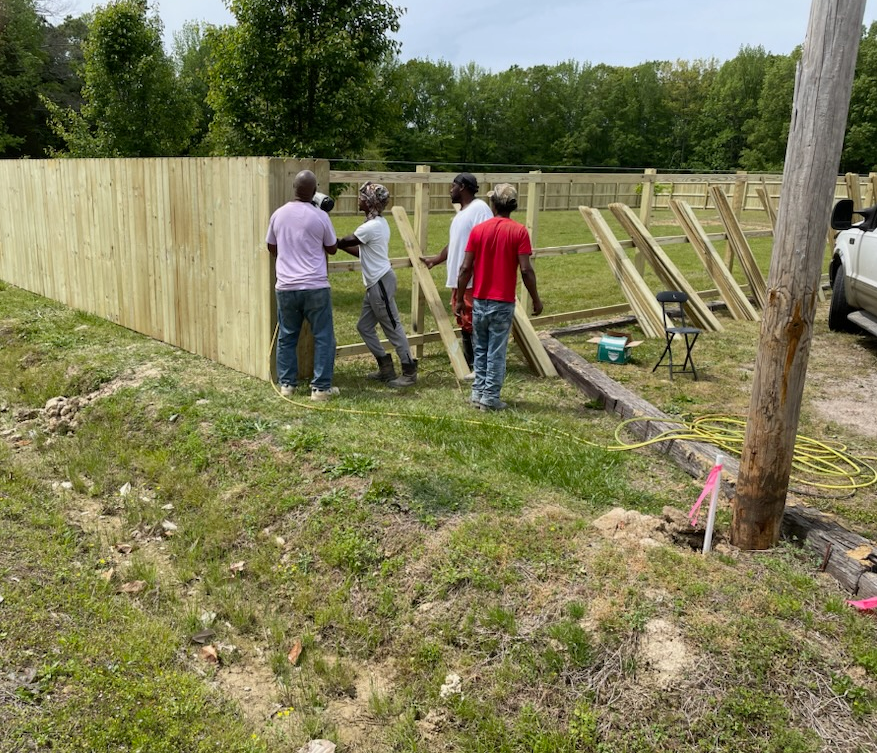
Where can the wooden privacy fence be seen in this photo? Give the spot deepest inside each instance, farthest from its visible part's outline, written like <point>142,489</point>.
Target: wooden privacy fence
<point>174,247</point>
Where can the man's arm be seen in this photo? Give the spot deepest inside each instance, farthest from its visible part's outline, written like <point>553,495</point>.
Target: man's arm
<point>440,258</point>
<point>528,275</point>
<point>331,249</point>
<point>463,278</point>
<point>272,249</point>
<point>350,244</point>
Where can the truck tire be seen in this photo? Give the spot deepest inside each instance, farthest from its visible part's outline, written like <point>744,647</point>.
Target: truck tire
<point>838,308</point>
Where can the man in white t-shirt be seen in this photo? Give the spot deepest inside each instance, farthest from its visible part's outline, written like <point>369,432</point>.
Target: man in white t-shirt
<point>299,237</point>
<point>370,242</point>
<point>472,212</point>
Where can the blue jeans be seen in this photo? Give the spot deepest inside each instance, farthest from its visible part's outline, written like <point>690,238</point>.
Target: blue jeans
<point>491,325</point>
<point>293,308</point>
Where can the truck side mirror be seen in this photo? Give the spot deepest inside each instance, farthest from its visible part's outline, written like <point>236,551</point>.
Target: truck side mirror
<point>842,215</point>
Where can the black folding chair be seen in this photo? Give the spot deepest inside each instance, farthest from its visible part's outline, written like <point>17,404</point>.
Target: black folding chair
<point>673,309</point>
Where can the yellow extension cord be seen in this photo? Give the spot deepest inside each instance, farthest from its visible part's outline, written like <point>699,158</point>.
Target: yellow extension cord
<point>813,459</point>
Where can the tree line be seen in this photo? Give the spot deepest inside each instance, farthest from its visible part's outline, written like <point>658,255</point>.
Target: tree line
<point>323,78</point>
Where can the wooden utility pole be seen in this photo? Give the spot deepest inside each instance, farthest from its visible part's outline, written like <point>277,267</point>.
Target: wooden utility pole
<point>819,114</point>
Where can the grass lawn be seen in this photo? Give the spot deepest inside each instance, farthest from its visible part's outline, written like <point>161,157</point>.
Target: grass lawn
<point>190,563</point>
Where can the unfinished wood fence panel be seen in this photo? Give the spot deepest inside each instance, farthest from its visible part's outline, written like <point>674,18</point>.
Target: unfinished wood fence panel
<point>641,299</point>
<point>739,246</point>
<point>736,301</point>
<point>173,248</point>
<point>664,268</point>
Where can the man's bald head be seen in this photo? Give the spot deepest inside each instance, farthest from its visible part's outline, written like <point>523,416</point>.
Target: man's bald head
<point>304,186</point>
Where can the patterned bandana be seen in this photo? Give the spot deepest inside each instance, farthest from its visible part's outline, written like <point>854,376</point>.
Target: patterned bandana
<point>375,197</point>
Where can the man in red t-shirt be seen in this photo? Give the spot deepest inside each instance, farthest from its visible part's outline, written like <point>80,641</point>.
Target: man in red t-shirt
<point>495,251</point>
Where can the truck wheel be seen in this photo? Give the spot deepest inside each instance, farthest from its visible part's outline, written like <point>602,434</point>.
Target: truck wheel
<point>838,307</point>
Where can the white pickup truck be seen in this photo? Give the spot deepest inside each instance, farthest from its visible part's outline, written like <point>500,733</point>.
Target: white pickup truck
<point>853,269</point>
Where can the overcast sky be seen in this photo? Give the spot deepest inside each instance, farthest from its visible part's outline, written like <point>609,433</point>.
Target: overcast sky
<point>497,34</point>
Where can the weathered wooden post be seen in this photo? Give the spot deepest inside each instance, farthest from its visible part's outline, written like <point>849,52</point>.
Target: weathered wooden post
<point>819,113</point>
<point>645,211</point>
<point>421,230</point>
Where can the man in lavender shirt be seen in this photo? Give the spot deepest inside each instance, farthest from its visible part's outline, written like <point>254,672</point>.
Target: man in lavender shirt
<point>299,237</point>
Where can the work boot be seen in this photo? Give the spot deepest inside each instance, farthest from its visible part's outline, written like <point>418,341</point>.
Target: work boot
<point>386,371</point>
<point>468,350</point>
<point>409,375</point>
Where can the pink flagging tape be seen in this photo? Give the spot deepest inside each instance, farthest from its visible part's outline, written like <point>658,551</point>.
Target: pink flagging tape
<point>711,481</point>
<point>864,603</point>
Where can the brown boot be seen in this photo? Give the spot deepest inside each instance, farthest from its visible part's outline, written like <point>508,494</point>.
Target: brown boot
<point>409,375</point>
<point>386,371</point>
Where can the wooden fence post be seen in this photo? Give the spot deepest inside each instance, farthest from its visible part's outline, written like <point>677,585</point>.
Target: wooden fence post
<point>648,197</point>
<point>741,184</point>
<point>819,114</point>
<point>853,189</point>
<point>533,194</point>
<point>645,212</point>
<point>872,189</point>
<point>421,232</point>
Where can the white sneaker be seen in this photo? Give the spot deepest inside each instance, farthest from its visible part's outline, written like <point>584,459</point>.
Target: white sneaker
<point>287,390</point>
<point>470,377</point>
<point>320,396</point>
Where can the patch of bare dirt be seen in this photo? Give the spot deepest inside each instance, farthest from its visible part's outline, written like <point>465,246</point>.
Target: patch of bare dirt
<point>664,654</point>
<point>850,403</point>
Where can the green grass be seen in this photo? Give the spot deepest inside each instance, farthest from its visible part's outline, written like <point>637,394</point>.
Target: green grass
<point>400,537</point>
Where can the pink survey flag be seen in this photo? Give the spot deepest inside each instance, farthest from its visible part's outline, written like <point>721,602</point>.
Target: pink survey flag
<point>711,481</point>
<point>864,603</point>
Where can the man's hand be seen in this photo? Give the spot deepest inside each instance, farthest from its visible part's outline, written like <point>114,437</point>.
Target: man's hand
<point>429,261</point>
<point>537,306</point>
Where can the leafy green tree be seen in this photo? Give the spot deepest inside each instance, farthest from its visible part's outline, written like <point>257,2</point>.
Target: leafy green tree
<point>860,145</point>
<point>422,123</point>
<point>21,65</point>
<point>687,85</point>
<point>192,57</point>
<point>301,77</point>
<point>133,105</point>
<point>65,61</point>
<point>731,103</point>
<point>768,133</point>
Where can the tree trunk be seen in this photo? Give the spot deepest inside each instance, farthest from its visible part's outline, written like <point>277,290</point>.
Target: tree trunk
<point>819,114</point>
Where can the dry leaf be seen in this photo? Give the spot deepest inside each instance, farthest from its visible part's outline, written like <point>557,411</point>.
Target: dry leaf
<point>133,587</point>
<point>208,654</point>
<point>294,653</point>
<point>107,575</point>
<point>124,548</point>
<point>202,636</point>
<point>236,567</point>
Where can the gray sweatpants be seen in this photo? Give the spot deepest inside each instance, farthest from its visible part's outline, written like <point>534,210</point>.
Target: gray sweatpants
<point>379,307</point>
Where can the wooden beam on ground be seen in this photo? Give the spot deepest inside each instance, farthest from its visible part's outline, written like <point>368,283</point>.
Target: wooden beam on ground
<point>664,267</point>
<point>848,557</point>
<point>641,299</point>
<point>737,302</point>
<point>695,458</point>
<point>738,244</point>
<point>431,294</point>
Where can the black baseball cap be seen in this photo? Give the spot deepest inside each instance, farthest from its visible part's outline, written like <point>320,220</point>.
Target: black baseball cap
<point>467,180</point>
